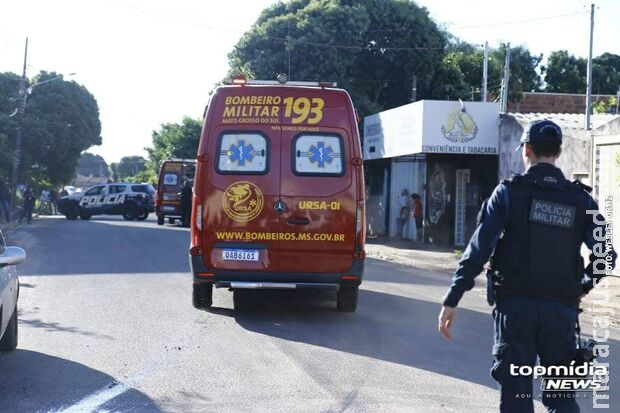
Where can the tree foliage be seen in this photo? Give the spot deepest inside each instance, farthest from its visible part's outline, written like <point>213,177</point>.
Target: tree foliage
<point>172,140</point>
<point>565,73</point>
<point>60,122</point>
<point>128,166</point>
<point>371,48</point>
<point>93,165</point>
<point>374,49</point>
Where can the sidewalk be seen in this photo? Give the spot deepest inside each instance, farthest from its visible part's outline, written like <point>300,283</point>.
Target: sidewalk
<point>445,260</point>
<point>414,254</point>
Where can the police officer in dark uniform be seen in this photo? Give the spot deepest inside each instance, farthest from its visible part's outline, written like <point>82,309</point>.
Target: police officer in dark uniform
<point>533,226</point>
<point>186,202</point>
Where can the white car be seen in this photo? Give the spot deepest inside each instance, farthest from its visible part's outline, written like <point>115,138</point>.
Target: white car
<point>9,292</point>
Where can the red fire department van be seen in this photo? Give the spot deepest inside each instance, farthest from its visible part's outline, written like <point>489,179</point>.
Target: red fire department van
<point>279,192</point>
<point>172,174</point>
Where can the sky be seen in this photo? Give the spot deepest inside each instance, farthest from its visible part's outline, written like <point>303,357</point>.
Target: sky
<point>149,62</point>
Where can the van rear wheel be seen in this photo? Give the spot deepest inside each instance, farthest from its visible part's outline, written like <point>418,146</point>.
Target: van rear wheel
<point>347,298</point>
<point>202,296</point>
<point>160,220</point>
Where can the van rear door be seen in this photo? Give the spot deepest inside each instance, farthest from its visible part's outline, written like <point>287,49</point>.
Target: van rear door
<point>241,227</point>
<point>317,188</point>
<point>170,184</point>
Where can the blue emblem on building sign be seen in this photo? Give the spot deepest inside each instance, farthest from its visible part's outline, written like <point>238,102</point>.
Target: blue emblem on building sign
<point>241,153</point>
<point>321,154</point>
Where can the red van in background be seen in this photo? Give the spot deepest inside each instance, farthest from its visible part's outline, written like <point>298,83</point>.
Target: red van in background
<point>172,174</point>
<point>278,192</point>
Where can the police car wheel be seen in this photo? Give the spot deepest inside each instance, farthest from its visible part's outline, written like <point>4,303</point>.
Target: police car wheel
<point>72,212</point>
<point>160,220</point>
<point>202,296</point>
<point>85,216</point>
<point>131,212</point>
<point>9,339</point>
<point>347,298</point>
<point>143,216</point>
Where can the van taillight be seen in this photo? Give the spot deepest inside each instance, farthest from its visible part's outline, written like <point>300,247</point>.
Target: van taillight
<point>359,219</point>
<point>196,244</point>
<point>359,231</point>
<point>199,217</point>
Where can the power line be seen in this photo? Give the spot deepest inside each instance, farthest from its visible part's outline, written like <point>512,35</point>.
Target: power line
<point>511,22</point>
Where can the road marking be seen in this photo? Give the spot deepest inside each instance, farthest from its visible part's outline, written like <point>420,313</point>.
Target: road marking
<point>92,402</point>
<point>100,397</point>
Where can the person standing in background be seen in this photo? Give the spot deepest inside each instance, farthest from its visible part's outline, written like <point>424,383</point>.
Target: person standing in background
<point>403,213</point>
<point>186,203</point>
<point>416,216</point>
<point>29,200</point>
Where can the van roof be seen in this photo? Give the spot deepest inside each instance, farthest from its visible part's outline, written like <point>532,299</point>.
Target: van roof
<point>180,160</point>
<point>241,81</point>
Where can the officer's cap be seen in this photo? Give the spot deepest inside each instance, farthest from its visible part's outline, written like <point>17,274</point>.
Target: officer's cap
<point>541,131</point>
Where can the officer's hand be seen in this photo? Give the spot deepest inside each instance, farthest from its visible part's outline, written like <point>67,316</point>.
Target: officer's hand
<point>446,317</point>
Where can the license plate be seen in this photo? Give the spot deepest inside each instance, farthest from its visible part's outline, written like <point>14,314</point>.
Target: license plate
<point>240,255</point>
<point>168,208</point>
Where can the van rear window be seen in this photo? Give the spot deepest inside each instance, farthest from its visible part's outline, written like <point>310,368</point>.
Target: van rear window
<point>318,155</point>
<point>171,179</point>
<point>242,153</point>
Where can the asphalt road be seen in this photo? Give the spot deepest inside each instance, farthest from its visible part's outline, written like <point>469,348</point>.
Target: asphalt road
<point>107,325</point>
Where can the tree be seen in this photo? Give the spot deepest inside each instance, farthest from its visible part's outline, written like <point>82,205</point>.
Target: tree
<point>92,165</point>
<point>60,122</point>
<point>523,75</point>
<point>372,48</point>
<point>565,73</point>
<point>606,74</point>
<point>129,166</point>
<point>174,140</point>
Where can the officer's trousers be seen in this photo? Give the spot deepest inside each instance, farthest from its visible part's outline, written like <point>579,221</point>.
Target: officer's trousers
<point>527,328</point>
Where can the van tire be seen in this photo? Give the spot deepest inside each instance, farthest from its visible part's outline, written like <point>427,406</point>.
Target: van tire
<point>347,298</point>
<point>202,296</point>
<point>160,220</point>
<point>9,339</point>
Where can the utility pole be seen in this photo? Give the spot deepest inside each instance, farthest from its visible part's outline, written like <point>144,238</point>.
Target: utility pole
<point>414,89</point>
<point>589,81</point>
<point>23,95</point>
<point>485,69</point>
<point>506,79</point>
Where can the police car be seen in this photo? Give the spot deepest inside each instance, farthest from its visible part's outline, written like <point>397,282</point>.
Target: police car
<point>131,200</point>
<point>9,293</point>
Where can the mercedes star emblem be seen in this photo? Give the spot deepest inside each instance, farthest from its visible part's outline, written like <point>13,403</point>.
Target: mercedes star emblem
<point>279,207</point>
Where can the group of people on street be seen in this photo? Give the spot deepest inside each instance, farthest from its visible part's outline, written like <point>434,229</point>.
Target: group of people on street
<point>410,218</point>
<point>48,201</point>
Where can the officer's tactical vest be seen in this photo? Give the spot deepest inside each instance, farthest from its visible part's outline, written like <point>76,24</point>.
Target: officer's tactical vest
<point>539,252</point>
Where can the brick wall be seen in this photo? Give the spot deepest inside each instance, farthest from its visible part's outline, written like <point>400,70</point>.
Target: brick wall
<point>533,102</point>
